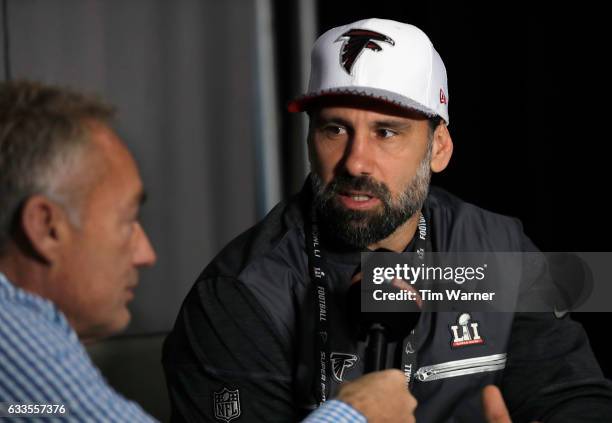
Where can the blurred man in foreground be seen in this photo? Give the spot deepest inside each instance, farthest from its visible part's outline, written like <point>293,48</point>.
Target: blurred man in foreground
<point>71,245</point>
<point>70,249</point>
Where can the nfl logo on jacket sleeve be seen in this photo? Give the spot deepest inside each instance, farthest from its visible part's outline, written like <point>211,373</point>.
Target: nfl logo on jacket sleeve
<point>227,405</point>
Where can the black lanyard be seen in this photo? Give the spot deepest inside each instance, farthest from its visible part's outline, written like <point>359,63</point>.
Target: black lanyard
<point>422,246</point>
<point>319,277</point>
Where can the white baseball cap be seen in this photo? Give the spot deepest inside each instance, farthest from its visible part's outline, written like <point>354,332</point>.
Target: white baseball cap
<point>387,60</point>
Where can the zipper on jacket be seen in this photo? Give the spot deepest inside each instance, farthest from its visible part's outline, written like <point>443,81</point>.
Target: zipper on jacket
<point>467,366</point>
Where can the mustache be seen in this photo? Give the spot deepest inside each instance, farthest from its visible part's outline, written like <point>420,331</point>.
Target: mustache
<point>344,183</point>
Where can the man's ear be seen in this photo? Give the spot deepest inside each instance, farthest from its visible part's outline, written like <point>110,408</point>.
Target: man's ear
<point>45,226</point>
<point>442,148</point>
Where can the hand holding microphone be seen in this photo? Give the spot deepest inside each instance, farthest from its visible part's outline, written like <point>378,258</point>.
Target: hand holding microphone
<point>380,328</point>
<point>380,395</point>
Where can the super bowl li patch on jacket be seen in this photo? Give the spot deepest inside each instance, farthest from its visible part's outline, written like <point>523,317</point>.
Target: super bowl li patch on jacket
<point>465,332</point>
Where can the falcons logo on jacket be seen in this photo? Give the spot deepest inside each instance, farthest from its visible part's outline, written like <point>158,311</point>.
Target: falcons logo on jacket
<point>355,41</point>
<point>340,362</point>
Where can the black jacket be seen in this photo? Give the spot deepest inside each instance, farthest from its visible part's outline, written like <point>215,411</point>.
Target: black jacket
<point>248,324</point>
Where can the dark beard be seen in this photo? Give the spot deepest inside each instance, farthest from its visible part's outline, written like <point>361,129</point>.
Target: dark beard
<point>359,228</point>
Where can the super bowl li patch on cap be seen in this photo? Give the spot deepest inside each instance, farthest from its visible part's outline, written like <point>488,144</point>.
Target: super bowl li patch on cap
<point>227,405</point>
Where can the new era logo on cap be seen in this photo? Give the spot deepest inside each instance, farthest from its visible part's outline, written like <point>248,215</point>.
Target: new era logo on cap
<point>382,59</point>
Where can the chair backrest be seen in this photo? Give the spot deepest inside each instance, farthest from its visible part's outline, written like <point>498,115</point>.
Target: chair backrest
<point>132,366</point>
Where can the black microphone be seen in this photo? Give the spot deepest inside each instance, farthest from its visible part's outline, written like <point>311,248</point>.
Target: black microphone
<point>379,328</point>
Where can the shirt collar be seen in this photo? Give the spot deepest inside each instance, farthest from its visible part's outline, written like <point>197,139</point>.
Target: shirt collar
<point>43,306</point>
<point>5,285</point>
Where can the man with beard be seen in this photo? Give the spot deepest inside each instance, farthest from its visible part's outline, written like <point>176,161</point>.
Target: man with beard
<point>268,321</point>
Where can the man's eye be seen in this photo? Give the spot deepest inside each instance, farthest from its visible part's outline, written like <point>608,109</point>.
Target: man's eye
<point>334,130</point>
<point>385,133</point>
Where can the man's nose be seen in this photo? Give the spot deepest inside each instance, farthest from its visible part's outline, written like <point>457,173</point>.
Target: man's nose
<point>144,254</point>
<point>359,157</point>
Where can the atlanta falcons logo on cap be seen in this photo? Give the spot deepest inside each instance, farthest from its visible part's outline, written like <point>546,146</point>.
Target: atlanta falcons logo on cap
<point>341,362</point>
<point>355,41</point>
